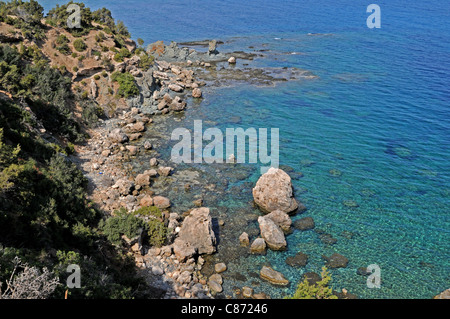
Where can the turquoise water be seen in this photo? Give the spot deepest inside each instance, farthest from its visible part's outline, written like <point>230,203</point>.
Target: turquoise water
<point>379,113</point>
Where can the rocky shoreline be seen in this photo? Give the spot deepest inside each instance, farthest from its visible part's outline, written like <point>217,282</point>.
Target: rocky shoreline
<point>107,160</point>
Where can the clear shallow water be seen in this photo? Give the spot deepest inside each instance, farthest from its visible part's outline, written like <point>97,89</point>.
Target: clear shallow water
<point>379,113</point>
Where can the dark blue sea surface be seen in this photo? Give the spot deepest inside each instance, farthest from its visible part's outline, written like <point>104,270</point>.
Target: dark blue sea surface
<point>371,134</point>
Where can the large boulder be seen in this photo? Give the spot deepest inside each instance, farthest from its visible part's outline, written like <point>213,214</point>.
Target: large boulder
<point>272,234</point>
<point>281,219</point>
<point>161,202</point>
<point>196,235</point>
<point>273,191</point>
<point>117,136</point>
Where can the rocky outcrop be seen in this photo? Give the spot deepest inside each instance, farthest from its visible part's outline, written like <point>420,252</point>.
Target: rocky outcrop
<point>273,191</point>
<point>273,276</point>
<point>196,235</point>
<point>281,219</point>
<point>443,295</point>
<point>272,234</point>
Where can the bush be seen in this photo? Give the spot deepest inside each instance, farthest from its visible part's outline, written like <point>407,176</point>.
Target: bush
<point>75,69</point>
<point>122,54</point>
<point>96,77</point>
<point>121,224</point>
<point>127,85</point>
<point>79,45</point>
<point>318,291</point>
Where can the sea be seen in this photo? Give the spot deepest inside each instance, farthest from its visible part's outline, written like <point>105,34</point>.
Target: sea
<point>367,142</point>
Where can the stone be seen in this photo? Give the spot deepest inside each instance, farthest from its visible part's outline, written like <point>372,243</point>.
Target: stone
<point>305,223</point>
<point>299,260</point>
<point>153,162</point>
<point>196,93</point>
<point>273,191</point>
<point>273,276</point>
<point>220,267</point>
<point>198,202</point>
<point>212,47</point>
<point>336,261</point>
<point>281,219</point>
<point>93,87</point>
<point>148,145</point>
<point>244,239</point>
<point>142,179</point>
<point>146,201</point>
<point>164,171</point>
<point>196,235</point>
<point>158,271</point>
<point>117,136</point>
<point>272,234</point>
<point>132,149</point>
<point>261,295</point>
<point>161,202</point>
<point>311,277</point>
<point>215,283</point>
<point>217,278</point>
<point>232,60</point>
<point>124,186</point>
<point>135,136</point>
<point>258,246</point>
<point>177,104</point>
<point>443,295</point>
<point>247,292</point>
<point>175,87</point>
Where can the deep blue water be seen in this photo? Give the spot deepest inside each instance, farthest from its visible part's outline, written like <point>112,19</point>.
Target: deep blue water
<point>379,113</point>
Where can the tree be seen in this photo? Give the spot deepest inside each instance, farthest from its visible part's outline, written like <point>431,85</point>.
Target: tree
<point>30,283</point>
<point>319,290</point>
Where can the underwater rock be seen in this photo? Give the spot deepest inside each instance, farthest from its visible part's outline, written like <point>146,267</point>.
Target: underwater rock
<point>258,246</point>
<point>336,261</point>
<point>327,239</point>
<point>273,276</point>
<point>244,240</point>
<point>299,260</point>
<point>274,191</point>
<point>335,172</point>
<point>305,223</point>
<point>312,278</point>
<point>220,267</point>
<point>350,203</point>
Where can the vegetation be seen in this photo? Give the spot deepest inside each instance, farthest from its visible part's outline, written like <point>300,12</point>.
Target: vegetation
<point>132,224</point>
<point>127,85</point>
<point>25,16</point>
<point>122,54</point>
<point>46,219</point>
<point>320,290</point>
<point>79,45</point>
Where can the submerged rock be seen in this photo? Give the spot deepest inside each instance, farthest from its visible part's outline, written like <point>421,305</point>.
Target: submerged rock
<point>299,260</point>
<point>305,223</point>
<point>161,202</point>
<point>273,276</point>
<point>336,261</point>
<point>258,246</point>
<point>273,191</point>
<point>244,239</point>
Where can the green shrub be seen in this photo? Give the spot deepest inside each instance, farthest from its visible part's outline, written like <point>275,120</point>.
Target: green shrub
<point>146,61</point>
<point>320,290</point>
<point>127,85</point>
<point>122,54</point>
<point>79,45</point>
<point>74,55</point>
<point>96,77</point>
<point>75,69</point>
<point>104,74</point>
<point>120,224</point>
